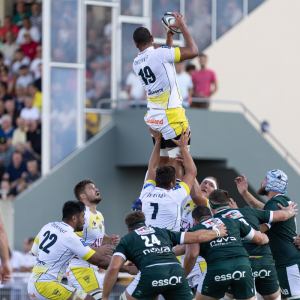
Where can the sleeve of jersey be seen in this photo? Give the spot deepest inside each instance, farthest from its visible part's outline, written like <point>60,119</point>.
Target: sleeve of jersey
<point>168,54</point>
<point>80,248</point>
<point>121,250</point>
<point>35,246</point>
<point>246,231</point>
<point>264,216</point>
<point>180,192</point>
<point>148,187</point>
<point>177,238</point>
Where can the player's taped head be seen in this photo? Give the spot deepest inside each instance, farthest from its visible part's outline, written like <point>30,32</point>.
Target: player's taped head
<point>277,181</point>
<point>79,294</point>
<point>201,211</point>
<point>97,294</point>
<point>218,198</point>
<point>135,219</point>
<point>165,176</point>
<point>142,36</point>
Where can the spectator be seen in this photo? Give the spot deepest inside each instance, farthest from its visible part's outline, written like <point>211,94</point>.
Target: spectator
<point>8,27</point>
<point>28,259</point>
<point>10,47</point>
<point>36,62</point>
<point>93,39</point>
<point>34,141</point>
<point>185,83</point>
<point>135,89</point>
<point>36,96</point>
<point>205,83</point>
<point>19,135</point>
<point>30,112</point>
<point>90,56</point>
<point>4,77</point>
<point>19,60</point>
<point>38,82</point>
<point>33,31</point>
<point>21,147</point>
<point>7,128</point>
<point>10,108</point>
<point>29,46</point>
<point>3,91</point>
<point>36,17</point>
<point>15,171</point>
<point>32,175</point>
<point>190,69</point>
<point>19,98</point>
<point>5,187</point>
<point>6,152</point>
<point>2,108</point>
<point>25,77</point>
<point>21,14</point>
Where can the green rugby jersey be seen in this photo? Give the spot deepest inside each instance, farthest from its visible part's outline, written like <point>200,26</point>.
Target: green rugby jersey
<point>281,235</point>
<point>147,246</point>
<point>223,247</point>
<point>253,217</point>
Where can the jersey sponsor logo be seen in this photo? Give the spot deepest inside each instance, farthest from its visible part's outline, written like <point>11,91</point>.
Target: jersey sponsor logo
<point>166,47</point>
<point>222,241</point>
<point>160,250</point>
<point>237,275</point>
<point>154,121</point>
<point>172,281</point>
<point>212,222</point>
<point>32,296</point>
<point>94,223</point>
<point>149,93</point>
<point>148,184</point>
<point>56,292</point>
<point>284,291</point>
<point>83,243</point>
<point>87,278</point>
<point>176,187</point>
<point>144,230</point>
<point>261,274</point>
<point>233,214</point>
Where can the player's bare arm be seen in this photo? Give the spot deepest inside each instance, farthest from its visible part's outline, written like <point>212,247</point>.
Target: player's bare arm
<point>170,37</point>
<point>111,240</point>
<point>242,186</point>
<point>191,254</point>
<point>105,250</point>
<point>285,213</point>
<point>191,49</point>
<point>5,269</point>
<point>259,238</point>
<point>155,157</point>
<point>190,167</point>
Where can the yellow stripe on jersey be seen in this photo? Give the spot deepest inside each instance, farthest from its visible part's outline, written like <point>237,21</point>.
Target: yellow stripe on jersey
<point>177,119</point>
<point>185,186</point>
<point>203,266</point>
<point>53,290</point>
<point>177,54</point>
<point>89,254</point>
<point>207,202</point>
<point>36,240</point>
<point>152,181</point>
<point>80,233</point>
<point>86,278</point>
<point>179,259</point>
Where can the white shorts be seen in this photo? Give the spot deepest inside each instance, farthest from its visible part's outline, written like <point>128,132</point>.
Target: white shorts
<point>87,279</point>
<point>167,121</point>
<point>44,290</point>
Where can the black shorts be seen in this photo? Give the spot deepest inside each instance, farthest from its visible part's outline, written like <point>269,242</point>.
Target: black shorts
<point>169,143</point>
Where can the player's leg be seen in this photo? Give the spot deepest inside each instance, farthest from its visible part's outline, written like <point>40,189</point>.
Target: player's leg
<point>289,281</point>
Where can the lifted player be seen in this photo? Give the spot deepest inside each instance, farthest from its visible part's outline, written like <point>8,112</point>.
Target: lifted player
<point>281,234</point>
<point>155,68</point>
<point>81,274</point>
<point>150,249</point>
<point>227,260</point>
<point>54,246</point>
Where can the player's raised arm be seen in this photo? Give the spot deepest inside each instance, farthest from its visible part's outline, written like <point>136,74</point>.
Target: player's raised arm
<point>5,269</point>
<point>191,49</point>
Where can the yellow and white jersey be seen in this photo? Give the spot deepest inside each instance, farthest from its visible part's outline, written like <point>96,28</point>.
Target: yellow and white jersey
<point>156,71</point>
<point>54,246</point>
<point>92,234</point>
<point>162,207</point>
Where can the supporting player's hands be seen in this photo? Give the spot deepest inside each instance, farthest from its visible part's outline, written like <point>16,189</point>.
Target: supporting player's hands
<point>223,230</point>
<point>291,208</point>
<point>232,203</point>
<point>241,184</point>
<point>180,21</point>
<point>115,239</point>
<point>132,270</point>
<point>105,250</point>
<point>265,239</point>
<point>5,272</point>
<point>182,143</point>
<point>297,241</point>
<point>156,134</point>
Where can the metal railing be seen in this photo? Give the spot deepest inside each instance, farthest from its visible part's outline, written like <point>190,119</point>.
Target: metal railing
<point>16,288</point>
<point>107,106</point>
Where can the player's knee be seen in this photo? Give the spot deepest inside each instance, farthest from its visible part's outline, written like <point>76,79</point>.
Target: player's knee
<point>97,295</point>
<point>80,295</point>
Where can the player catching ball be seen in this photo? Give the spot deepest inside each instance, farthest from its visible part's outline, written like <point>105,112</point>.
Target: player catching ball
<point>155,68</point>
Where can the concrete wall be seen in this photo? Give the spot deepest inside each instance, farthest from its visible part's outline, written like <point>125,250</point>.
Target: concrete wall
<point>257,62</point>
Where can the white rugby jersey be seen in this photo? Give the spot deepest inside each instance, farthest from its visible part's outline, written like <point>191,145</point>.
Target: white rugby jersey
<point>156,71</point>
<point>54,246</point>
<point>162,207</point>
<point>92,234</point>
<point>186,223</point>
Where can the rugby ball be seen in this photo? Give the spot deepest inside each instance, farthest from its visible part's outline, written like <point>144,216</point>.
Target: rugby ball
<point>168,19</point>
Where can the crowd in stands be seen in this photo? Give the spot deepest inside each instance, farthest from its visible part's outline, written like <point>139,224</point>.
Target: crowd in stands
<point>20,98</point>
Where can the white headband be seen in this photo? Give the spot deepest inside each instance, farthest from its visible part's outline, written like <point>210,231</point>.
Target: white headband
<point>210,180</point>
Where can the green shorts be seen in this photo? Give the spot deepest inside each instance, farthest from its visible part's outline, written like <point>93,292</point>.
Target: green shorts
<point>289,280</point>
<point>166,280</point>
<point>235,273</point>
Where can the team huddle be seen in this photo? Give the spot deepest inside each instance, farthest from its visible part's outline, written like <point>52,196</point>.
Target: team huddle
<point>185,240</point>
